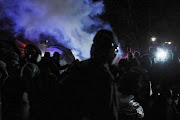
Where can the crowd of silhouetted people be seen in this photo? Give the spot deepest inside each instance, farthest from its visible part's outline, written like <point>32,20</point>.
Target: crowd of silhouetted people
<point>99,88</point>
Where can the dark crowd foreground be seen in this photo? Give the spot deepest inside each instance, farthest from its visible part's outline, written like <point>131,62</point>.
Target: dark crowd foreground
<point>39,88</point>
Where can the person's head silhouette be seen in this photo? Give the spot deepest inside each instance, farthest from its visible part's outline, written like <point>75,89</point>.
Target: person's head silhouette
<point>105,46</point>
<point>32,53</point>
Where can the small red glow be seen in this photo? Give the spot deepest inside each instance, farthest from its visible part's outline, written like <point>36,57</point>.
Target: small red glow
<point>21,46</point>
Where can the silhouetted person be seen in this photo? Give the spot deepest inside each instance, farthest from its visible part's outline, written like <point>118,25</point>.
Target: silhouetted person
<point>91,90</point>
<point>56,59</point>
<point>123,66</point>
<point>145,90</point>
<point>146,62</point>
<point>51,63</point>
<point>132,61</point>
<point>47,55</point>
<point>12,89</point>
<point>129,108</point>
<point>3,76</point>
<point>3,73</point>
<point>40,84</point>
<point>137,55</point>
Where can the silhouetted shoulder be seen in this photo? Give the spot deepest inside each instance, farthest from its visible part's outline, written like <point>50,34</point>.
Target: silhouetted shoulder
<point>29,70</point>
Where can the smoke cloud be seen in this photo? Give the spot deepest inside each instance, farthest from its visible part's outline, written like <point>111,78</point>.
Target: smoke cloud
<point>72,23</point>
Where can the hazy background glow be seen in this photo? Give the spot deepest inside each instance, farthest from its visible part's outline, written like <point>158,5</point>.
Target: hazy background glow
<point>72,23</point>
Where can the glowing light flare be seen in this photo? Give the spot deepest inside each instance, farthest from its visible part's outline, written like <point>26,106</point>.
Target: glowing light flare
<point>47,41</point>
<point>161,54</point>
<point>168,43</point>
<point>153,39</point>
<point>21,46</point>
<point>119,51</point>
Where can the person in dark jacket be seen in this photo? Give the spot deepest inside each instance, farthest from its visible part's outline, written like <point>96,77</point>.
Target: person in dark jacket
<point>40,81</point>
<point>12,88</point>
<point>129,107</point>
<point>91,91</point>
<point>132,60</point>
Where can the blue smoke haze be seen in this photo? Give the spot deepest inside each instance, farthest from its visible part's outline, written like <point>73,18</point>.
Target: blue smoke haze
<point>73,23</point>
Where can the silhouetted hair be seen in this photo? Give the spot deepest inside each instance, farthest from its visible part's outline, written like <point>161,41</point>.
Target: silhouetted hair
<point>130,55</point>
<point>47,55</point>
<point>56,54</point>
<point>136,54</point>
<point>32,49</point>
<point>122,62</point>
<point>102,42</point>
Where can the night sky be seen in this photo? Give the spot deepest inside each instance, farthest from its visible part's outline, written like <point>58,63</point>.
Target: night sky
<point>136,21</point>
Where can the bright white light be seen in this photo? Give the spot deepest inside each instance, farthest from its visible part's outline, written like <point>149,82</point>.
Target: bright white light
<point>153,39</point>
<point>169,43</point>
<point>161,54</point>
